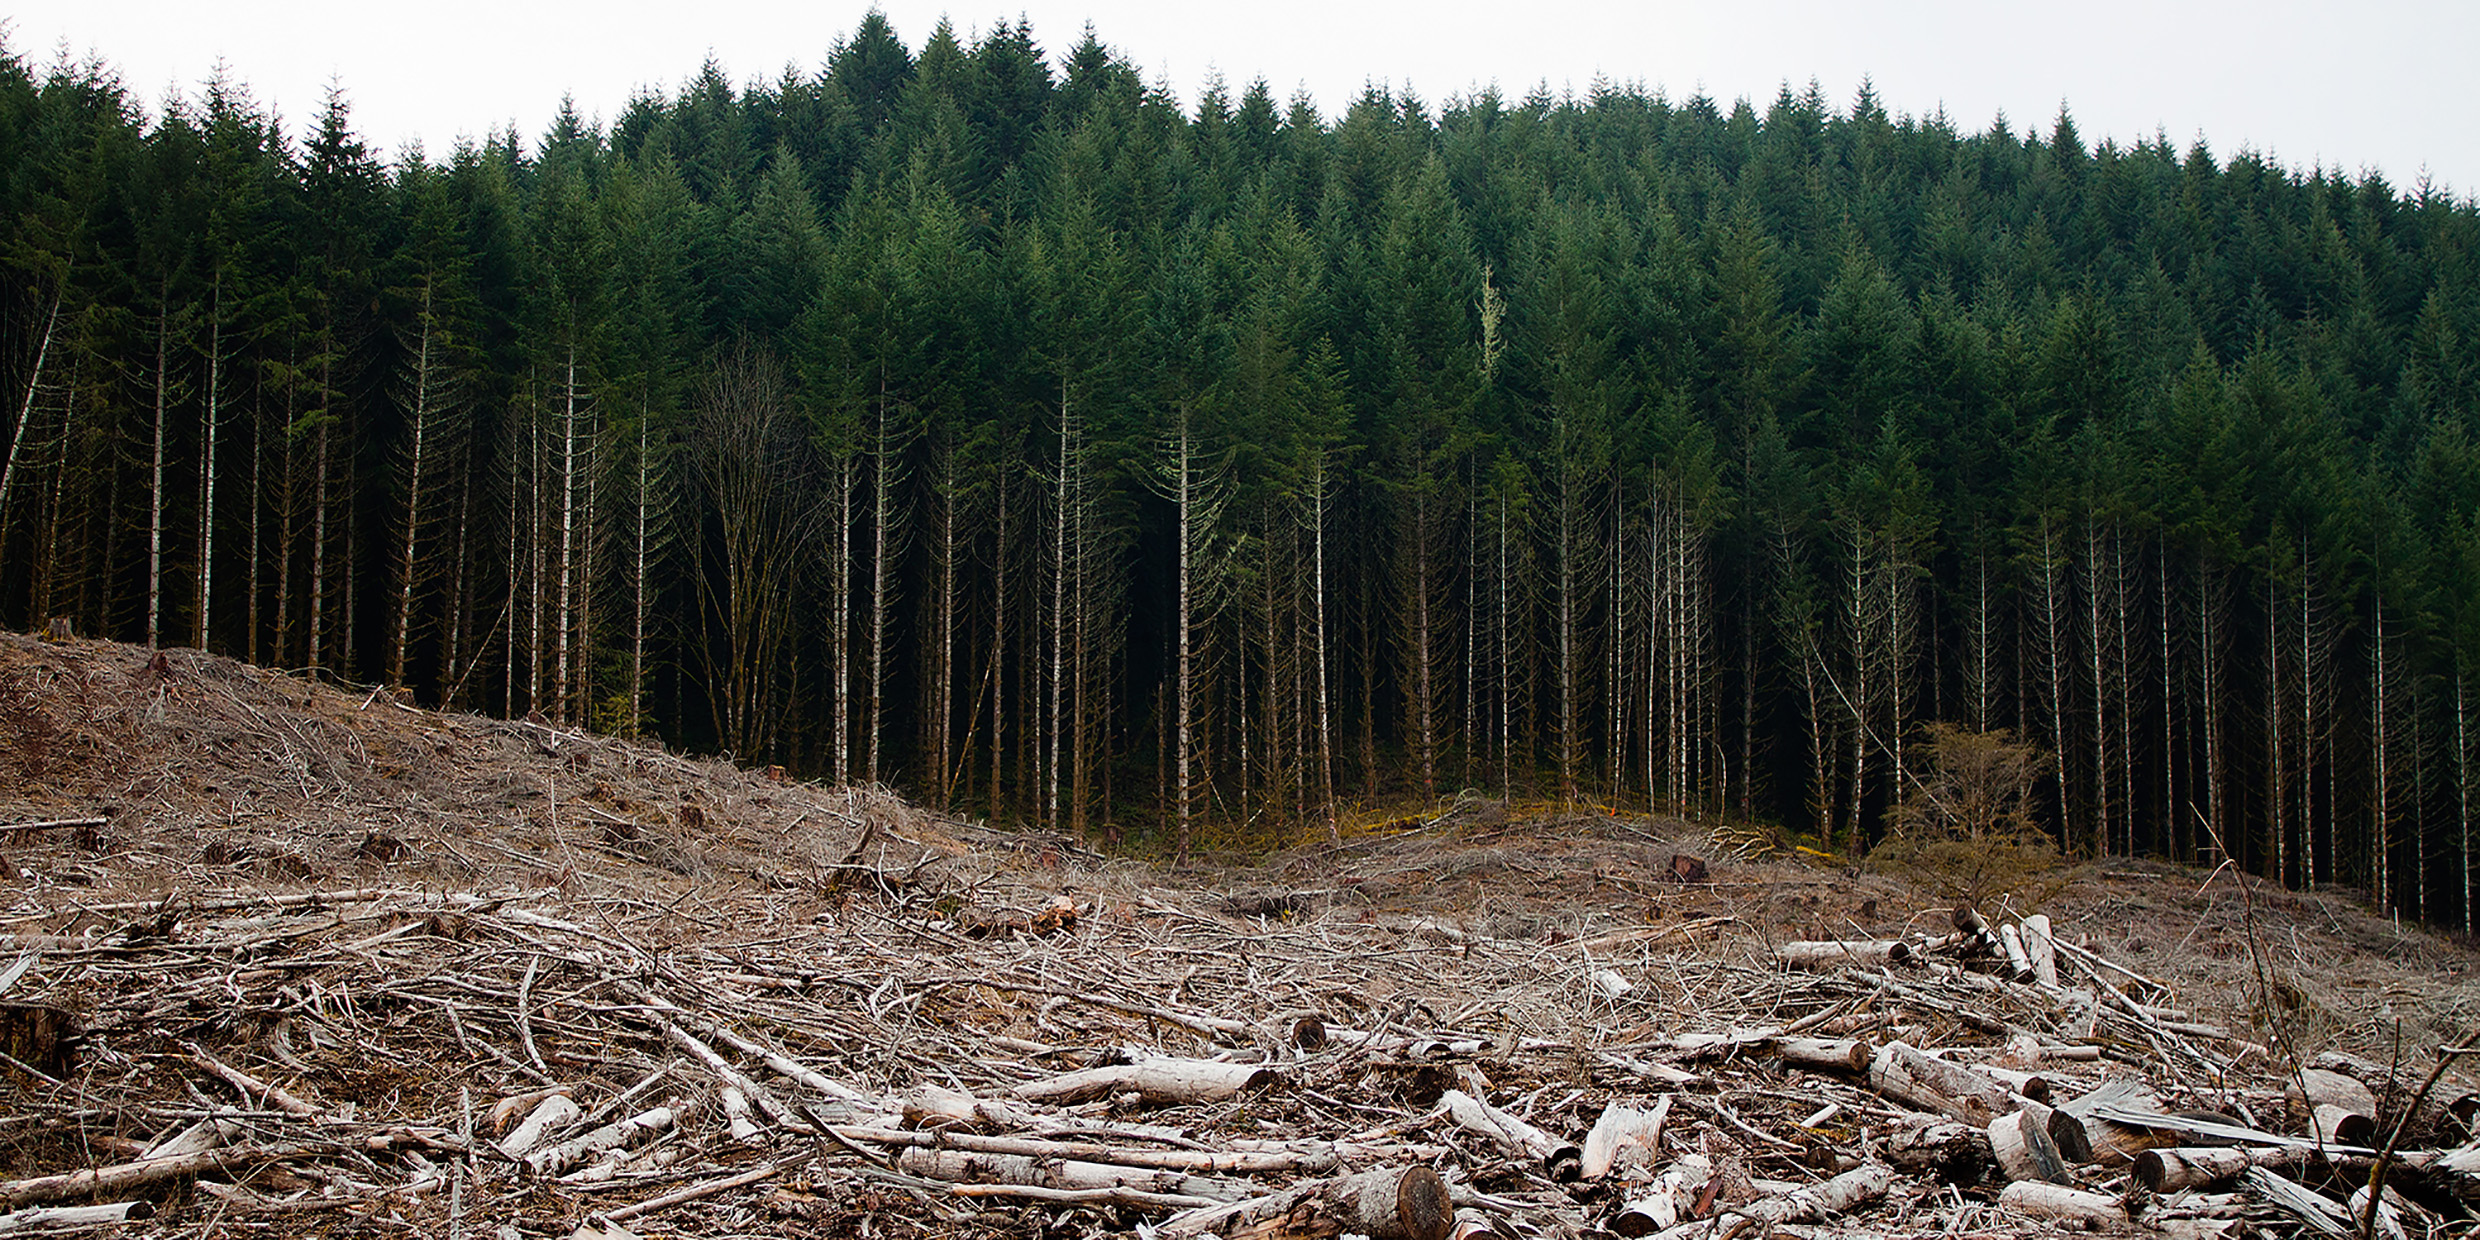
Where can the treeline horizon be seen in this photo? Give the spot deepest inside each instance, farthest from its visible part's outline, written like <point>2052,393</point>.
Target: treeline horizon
<point>994,427</point>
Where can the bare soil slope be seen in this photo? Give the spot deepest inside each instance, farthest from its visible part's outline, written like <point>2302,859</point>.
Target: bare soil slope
<point>330,948</point>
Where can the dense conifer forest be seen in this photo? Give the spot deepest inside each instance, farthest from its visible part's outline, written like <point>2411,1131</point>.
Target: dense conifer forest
<point>989,424</point>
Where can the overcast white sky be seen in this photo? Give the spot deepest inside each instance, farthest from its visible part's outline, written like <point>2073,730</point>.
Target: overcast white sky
<point>2379,84</point>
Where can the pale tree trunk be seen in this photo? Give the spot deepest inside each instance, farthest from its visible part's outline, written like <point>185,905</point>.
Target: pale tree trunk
<point>1425,701</point>
<point>839,727</point>
<point>998,639</point>
<point>2096,641</point>
<point>155,485</point>
<point>1861,626</point>
<point>2462,790</point>
<point>565,615</point>
<point>258,515</point>
<point>1318,497</point>
<point>401,635</point>
<point>884,474</point>
<point>1187,791</point>
<point>1979,674</point>
<point>317,618</point>
<point>2050,608</point>
<point>640,553</point>
<point>942,661</point>
<point>2122,679</point>
<point>25,411</point>
<point>1571,739</point>
<point>2380,710</point>
<point>1061,570</point>
<point>2212,605</point>
<point>212,426</point>
<point>2174,825</point>
<point>1657,668</point>
<point>2277,787</point>
<point>1902,628</point>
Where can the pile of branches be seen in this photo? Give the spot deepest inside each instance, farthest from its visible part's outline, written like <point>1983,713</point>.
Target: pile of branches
<point>901,1043</point>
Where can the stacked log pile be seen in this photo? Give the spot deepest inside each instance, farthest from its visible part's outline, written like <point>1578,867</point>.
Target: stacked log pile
<point>924,1056</point>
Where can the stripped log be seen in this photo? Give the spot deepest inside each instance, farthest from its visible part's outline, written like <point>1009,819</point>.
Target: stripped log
<point>2056,1201</point>
<point>1564,1163</point>
<point>1386,1204</point>
<point>619,1134</point>
<point>2176,1168</point>
<point>2446,1115</point>
<point>2023,1147</point>
<point>2018,959</point>
<point>1316,1157</point>
<point>1825,1054</point>
<point>1159,1082</point>
<point>118,1178</point>
<point>1836,953</point>
<point>2323,1087</point>
<point>971,1167</point>
<point>554,1112</point>
<point>63,1218</point>
<point>1900,1071</point>
<point>1853,1188</point>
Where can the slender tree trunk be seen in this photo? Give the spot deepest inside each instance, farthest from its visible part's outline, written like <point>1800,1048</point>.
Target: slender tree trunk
<point>2381,820</point>
<point>2054,673</point>
<point>1318,492</point>
<point>25,409</point>
<point>402,635</point>
<point>562,707</point>
<point>882,548</point>
<point>212,427</point>
<point>2462,791</point>
<point>640,553</point>
<point>155,484</point>
<point>998,639</point>
<point>1184,499</point>
<point>317,619</point>
<point>2100,690</point>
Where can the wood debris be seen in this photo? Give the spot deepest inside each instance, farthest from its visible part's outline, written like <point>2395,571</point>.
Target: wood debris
<point>538,1058</point>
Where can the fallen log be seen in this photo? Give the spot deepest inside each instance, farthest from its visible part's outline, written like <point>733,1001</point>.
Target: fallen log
<point>2057,1201</point>
<point>1159,1082</point>
<point>1839,1195</point>
<point>554,1112</point>
<point>1900,1071</point>
<point>2176,1168</point>
<point>1074,1175</point>
<point>2023,1147</point>
<point>62,1218</point>
<point>1318,1158</point>
<point>1825,1054</point>
<point>1952,1151</point>
<point>1835,953</point>
<point>1386,1204</point>
<point>1562,1162</point>
<point>110,1181</point>
<point>551,1160</point>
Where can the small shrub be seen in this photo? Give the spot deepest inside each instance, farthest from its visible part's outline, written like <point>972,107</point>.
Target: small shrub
<point>1964,826</point>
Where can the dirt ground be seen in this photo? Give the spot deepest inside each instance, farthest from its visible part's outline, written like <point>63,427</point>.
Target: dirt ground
<point>402,917</point>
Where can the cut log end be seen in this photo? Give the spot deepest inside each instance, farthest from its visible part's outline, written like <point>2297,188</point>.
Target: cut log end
<point>1421,1208</point>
